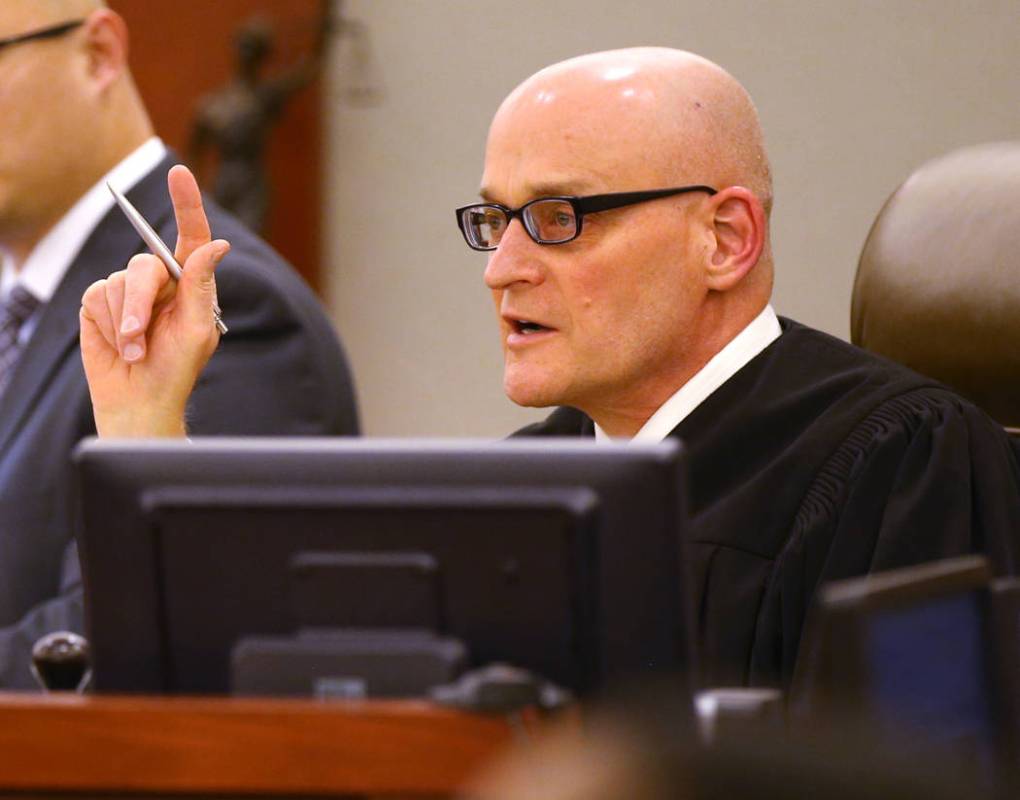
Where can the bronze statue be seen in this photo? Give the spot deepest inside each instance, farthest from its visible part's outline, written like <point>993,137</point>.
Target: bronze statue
<point>236,120</point>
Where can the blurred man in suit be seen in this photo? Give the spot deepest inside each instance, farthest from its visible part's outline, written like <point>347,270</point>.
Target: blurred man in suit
<point>71,119</point>
<point>625,212</point>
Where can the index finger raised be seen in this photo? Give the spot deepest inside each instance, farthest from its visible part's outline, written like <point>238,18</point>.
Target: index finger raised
<point>192,225</point>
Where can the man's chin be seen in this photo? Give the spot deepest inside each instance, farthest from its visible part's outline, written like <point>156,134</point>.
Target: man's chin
<point>532,395</point>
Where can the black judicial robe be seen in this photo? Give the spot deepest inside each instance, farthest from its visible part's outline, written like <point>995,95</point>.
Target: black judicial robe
<point>819,461</point>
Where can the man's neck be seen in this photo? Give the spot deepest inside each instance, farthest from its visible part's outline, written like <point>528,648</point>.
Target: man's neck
<point>626,414</point>
<point>624,423</point>
<point>683,388</point>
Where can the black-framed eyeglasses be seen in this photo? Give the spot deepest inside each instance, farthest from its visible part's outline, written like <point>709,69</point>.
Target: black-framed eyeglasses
<point>549,220</point>
<point>43,33</point>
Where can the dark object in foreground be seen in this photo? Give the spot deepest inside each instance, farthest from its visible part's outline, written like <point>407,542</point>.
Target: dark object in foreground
<point>559,557</point>
<point>61,662</point>
<point>912,654</point>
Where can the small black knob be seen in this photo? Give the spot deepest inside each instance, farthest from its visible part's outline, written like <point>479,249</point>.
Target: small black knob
<point>61,662</point>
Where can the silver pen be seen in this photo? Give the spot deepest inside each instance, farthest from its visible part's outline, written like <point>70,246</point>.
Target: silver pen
<point>157,245</point>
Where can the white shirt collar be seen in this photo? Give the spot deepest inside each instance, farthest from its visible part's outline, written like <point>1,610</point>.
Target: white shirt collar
<point>763,330</point>
<point>52,255</point>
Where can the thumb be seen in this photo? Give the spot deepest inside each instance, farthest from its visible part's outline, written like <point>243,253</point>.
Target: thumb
<point>196,293</point>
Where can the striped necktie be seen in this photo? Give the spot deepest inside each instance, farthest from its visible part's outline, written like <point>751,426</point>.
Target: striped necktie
<point>18,307</point>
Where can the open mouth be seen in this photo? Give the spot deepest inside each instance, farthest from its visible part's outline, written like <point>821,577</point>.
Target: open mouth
<point>527,327</point>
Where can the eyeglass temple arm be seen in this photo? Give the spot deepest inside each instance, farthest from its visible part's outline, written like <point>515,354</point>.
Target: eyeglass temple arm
<point>45,33</point>
<point>605,202</point>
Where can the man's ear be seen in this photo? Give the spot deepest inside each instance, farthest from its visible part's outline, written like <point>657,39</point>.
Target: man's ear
<point>106,47</point>
<point>738,225</point>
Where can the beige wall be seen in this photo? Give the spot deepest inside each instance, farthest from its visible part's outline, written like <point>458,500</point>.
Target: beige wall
<point>853,94</point>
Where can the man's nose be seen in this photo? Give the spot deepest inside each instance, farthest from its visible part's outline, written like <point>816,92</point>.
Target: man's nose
<point>517,259</point>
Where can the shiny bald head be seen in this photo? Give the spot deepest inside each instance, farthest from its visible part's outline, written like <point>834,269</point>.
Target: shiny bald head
<point>686,117</point>
<point>616,320</point>
<point>69,111</point>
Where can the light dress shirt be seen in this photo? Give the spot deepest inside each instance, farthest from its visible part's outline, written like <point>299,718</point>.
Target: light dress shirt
<point>759,334</point>
<point>45,267</point>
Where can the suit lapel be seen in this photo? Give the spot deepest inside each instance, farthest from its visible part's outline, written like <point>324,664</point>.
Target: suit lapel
<point>107,249</point>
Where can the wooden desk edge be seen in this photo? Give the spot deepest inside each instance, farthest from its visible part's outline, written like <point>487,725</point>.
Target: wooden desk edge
<point>198,744</point>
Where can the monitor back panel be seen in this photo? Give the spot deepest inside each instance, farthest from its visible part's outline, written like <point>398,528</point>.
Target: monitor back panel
<point>548,550</point>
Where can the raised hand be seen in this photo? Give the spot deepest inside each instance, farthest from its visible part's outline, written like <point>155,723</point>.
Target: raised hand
<point>146,338</point>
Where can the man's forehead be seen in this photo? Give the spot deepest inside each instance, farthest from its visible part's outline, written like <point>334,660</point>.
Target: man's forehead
<point>571,145</point>
<point>540,186</point>
<point>534,154</point>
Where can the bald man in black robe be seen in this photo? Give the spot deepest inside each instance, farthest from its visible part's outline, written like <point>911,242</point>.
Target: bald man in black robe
<point>810,460</point>
<point>647,315</point>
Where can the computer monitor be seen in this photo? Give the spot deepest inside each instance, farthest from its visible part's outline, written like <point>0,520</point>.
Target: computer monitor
<point>911,653</point>
<point>1005,615</point>
<point>558,556</point>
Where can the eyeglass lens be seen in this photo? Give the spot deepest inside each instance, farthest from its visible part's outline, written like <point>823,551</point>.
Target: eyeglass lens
<point>547,221</point>
<point>551,220</point>
<point>484,225</point>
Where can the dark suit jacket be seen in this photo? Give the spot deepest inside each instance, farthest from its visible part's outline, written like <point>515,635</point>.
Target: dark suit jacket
<point>280,370</point>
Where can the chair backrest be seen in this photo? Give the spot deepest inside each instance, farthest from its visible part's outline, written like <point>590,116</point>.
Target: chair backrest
<point>938,283</point>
